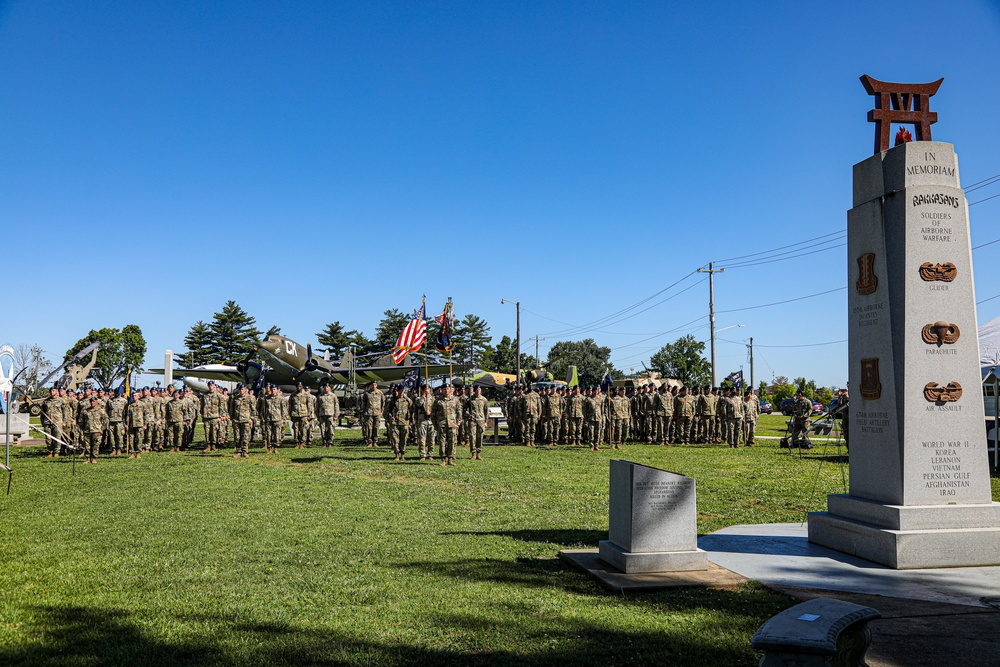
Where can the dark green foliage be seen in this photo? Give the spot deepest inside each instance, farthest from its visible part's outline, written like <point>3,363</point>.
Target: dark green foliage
<point>591,360</point>
<point>683,361</point>
<point>121,351</point>
<point>233,335</point>
<point>198,342</point>
<point>503,358</point>
<point>388,330</point>
<point>335,339</point>
<point>471,340</point>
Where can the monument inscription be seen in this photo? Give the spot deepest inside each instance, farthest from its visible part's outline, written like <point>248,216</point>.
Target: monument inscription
<point>652,517</point>
<point>919,487</point>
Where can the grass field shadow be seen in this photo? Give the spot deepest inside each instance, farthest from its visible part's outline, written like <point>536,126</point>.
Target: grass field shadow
<point>81,635</point>
<point>568,537</point>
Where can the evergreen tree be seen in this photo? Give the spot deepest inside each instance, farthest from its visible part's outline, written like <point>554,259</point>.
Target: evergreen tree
<point>471,339</point>
<point>387,333</point>
<point>335,339</point>
<point>234,334</point>
<point>682,360</point>
<point>275,330</point>
<point>121,351</point>
<point>198,342</point>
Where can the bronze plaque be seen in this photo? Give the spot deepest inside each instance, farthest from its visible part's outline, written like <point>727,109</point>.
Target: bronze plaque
<point>867,280</point>
<point>944,272</point>
<point>936,394</point>
<point>871,387</point>
<point>940,332</point>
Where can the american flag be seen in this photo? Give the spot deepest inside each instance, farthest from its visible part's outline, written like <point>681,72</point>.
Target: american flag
<point>412,337</point>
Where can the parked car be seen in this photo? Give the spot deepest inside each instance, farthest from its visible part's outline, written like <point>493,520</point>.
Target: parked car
<point>818,407</point>
<point>787,406</point>
<point>766,408</point>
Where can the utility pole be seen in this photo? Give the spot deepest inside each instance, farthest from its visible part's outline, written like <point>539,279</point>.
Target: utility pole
<point>752,385</point>
<point>711,310</point>
<point>538,359</point>
<point>518,361</point>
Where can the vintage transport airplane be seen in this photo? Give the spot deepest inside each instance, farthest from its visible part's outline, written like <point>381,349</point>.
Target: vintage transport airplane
<point>285,363</point>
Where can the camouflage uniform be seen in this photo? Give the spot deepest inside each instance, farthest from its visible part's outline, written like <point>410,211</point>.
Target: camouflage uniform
<point>175,410</point>
<point>211,410</point>
<point>684,408</point>
<point>477,413</point>
<point>801,412</point>
<point>301,408</point>
<point>327,411</point>
<point>135,416</point>
<point>397,419</point>
<point>574,418</point>
<point>449,417</point>
<point>370,405</point>
<point>734,419</point>
<point>619,419</point>
<point>242,414</point>
<point>93,422</point>
<point>532,413</point>
<point>423,408</point>
<point>751,411</point>
<point>553,418</point>
<point>52,422</point>
<point>116,417</point>
<point>275,417</point>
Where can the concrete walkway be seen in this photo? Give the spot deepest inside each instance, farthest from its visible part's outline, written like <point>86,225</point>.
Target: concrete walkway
<point>929,617</point>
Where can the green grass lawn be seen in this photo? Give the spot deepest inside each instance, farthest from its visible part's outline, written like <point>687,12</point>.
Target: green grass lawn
<point>342,556</point>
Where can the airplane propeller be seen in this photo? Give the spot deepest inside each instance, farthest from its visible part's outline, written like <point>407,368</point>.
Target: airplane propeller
<point>311,363</point>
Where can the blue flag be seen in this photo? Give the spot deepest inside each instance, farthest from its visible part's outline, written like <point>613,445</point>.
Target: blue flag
<point>606,382</point>
<point>737,379</point>
<point>411,378</point>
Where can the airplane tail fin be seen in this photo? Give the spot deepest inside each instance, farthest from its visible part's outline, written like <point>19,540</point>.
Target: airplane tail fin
<point>387,360</point>
<point>347,360</point>
<point>572,379</point>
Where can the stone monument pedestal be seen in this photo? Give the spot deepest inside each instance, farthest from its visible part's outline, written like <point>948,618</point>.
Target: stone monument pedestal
<point>920,492</point>
<point>653,521</point>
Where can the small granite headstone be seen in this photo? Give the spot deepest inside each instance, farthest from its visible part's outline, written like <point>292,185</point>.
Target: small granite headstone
<point>653,521</point>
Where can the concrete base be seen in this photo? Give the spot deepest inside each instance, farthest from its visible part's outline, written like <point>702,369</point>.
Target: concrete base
<point>913,548</point>
<point>659,561</point>
<point>588,562</point>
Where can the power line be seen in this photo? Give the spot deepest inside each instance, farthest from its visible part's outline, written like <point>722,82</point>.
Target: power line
<point>832,342</point>
<point>791,245</point>
<point>982,200</point>
<point>778,303</point>
<point>989,299</point>
<point>983,183</point>
<point>609,319</point>
<point>983,245</point>
<point>782,259</point>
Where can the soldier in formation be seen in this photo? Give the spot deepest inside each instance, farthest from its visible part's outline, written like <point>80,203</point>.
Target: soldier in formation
<point>477,414</point>
<point>447,419</point>
<point>327,412</point>
<point>398,413</point>
<point>370,405</point>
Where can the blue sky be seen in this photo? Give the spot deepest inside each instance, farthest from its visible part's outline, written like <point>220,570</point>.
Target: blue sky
<point>321,161</point>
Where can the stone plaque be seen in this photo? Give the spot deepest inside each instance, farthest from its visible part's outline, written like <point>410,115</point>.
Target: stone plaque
<point>652,520</point>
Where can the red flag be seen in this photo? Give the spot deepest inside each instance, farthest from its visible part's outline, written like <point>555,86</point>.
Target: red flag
<point>412,337</point>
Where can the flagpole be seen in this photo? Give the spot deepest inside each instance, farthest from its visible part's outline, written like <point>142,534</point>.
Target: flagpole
<point>449,318</point>
<point>427,369</point>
